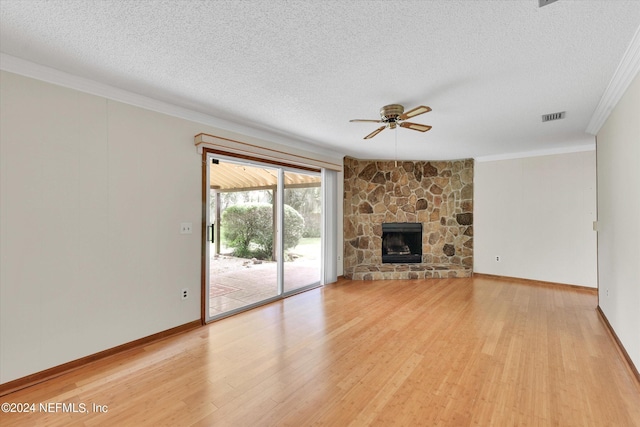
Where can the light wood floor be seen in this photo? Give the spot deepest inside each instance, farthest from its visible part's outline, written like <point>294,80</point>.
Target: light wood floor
<point>451,352</point>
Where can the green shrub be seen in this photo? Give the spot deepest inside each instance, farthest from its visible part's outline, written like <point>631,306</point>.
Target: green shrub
<point>312,225</point>
<point>293,227</point>
<point>248,229</point>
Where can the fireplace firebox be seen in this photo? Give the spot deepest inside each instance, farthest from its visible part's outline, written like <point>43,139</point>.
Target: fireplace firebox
<point>401,242</point>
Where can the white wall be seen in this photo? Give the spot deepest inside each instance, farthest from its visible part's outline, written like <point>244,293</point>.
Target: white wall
<point>537,214</point>
<point>92,195</point>
<point>618,151</point>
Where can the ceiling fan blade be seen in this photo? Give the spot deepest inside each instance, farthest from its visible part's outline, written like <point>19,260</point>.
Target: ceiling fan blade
<point>375,132</point>
<point>415,126</point>
<point>415,112</point>
<point>366,120</point>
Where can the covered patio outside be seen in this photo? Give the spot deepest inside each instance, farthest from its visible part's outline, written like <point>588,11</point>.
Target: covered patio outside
<point>239,281</point>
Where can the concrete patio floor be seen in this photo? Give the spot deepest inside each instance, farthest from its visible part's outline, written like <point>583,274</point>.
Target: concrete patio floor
<point>238,282</point>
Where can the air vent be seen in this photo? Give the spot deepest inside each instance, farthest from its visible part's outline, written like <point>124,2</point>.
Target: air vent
<point>545,2</point>
<point>553,116</point>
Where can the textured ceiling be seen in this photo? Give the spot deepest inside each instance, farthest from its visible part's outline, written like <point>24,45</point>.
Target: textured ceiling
<point>302,69</point>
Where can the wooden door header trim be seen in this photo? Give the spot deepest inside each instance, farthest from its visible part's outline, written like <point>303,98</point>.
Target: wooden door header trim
<point>250,151</point>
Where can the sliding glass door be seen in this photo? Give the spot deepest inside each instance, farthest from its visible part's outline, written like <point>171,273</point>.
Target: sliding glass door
<point>302,230</point>
<point>264,233</point>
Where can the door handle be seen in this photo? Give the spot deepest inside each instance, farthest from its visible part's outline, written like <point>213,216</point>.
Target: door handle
<point>213,236</point>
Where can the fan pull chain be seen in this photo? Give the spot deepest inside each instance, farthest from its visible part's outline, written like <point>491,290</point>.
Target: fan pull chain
<point>396,137</point>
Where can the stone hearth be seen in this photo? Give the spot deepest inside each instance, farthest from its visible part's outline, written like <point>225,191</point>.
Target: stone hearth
<point>438,194</point>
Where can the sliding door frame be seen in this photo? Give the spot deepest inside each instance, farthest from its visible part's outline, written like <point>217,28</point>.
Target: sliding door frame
<point>282,167</point>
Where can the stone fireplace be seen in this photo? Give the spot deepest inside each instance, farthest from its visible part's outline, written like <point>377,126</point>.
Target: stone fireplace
<point>436,196</point>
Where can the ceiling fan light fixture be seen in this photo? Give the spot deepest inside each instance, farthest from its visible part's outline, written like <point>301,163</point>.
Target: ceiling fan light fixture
<point>391,112</point>
<point>393,115</point>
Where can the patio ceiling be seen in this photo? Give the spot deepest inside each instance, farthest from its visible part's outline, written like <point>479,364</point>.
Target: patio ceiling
<point>226,176</point>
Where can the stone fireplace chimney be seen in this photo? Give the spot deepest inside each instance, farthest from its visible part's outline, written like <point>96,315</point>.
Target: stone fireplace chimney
<point>435,195</point>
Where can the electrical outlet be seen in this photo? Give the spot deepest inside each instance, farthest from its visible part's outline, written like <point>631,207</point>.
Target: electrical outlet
<point>186,228</point>
<point>184,293</point>
<point>498,258</point>
<point>607,292</point>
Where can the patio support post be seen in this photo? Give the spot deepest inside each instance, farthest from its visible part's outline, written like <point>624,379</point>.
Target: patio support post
<point>274,205</point>
<point>217,223</point>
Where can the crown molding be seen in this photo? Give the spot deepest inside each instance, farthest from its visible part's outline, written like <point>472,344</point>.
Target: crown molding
<point>539,153</point>
<point>622,78</point>
<point>26,68</point>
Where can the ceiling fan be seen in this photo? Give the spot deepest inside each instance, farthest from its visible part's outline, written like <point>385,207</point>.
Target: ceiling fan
<point>393,115</point>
